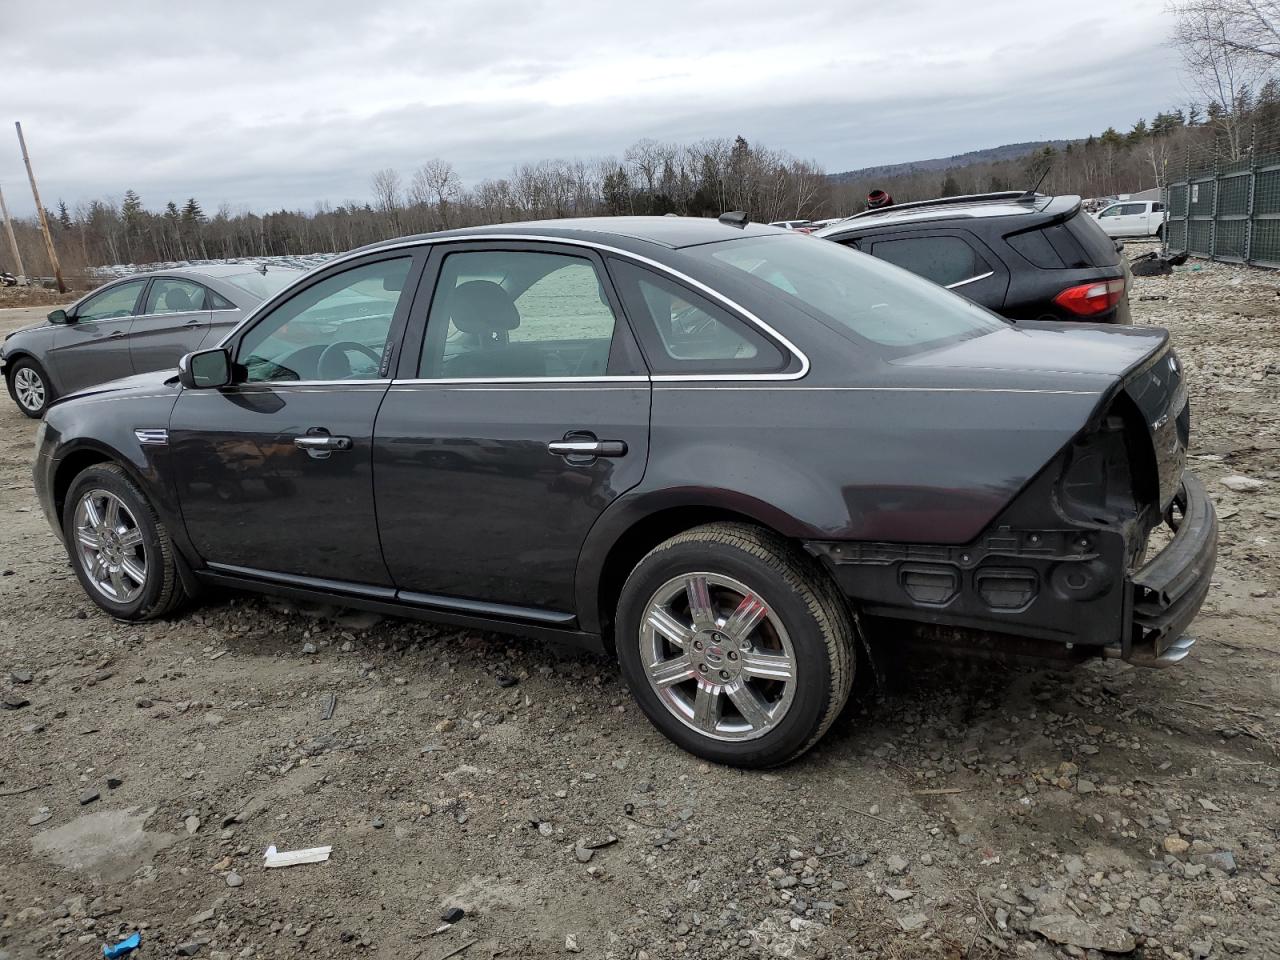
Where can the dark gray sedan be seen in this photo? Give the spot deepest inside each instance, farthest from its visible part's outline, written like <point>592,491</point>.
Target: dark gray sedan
<point>133,325</point>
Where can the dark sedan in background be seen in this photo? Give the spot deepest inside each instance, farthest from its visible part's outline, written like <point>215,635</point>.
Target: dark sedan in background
<point>133,325</point>
<point>716,450</point>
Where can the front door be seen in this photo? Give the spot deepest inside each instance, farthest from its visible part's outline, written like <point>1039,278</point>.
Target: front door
<point>525,414</point>
<point>173,321</point>
<point>275,472</point>
<point>94,347</point>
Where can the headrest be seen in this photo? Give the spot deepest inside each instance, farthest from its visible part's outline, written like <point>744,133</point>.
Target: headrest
<point>177,299</point>
<point>483,307</point>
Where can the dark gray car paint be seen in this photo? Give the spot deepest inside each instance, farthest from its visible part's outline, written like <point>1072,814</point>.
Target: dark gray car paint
<point>927,449</point>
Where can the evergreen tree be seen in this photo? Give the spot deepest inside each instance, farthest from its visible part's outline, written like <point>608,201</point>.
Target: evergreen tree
<point>951,186</point>
<point>64,217</point>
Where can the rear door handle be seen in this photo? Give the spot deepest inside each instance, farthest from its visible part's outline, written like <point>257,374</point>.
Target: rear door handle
<point>587,448</point>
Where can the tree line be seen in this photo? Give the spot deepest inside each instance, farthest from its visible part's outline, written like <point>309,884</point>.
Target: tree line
<point>650,178</point>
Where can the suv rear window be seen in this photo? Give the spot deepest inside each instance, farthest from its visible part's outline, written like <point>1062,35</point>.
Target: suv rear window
<point>1079,242</point>
<point>873,300</point>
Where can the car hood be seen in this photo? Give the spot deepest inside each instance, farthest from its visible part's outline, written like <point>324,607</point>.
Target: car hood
<point>156,382</point>
<point>1048,354</point>
<point>40,325</point>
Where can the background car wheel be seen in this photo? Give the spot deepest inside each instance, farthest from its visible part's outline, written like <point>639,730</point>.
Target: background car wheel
<point>737,647</point>
<point>30,388</point>
<point>119,547</point>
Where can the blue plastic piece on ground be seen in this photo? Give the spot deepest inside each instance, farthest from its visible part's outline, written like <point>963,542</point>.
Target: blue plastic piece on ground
<point>127,945</point>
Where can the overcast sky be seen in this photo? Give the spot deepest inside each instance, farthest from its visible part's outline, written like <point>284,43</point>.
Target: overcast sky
<point>276,104</point>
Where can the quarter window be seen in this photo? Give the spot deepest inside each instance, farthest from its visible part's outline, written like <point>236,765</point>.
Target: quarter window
<point>174,296</point>
<point>944,260</point>
<point>336,329</point>
<point>500,314</point>
<point>119,301</point>
<point>682,332</point>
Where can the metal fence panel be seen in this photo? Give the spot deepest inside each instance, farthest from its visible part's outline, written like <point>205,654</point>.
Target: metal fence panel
<point>1227,210</point>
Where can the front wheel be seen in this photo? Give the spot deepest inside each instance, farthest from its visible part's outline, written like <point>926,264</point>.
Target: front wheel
<point>736,646</point>
<point>30,388</point>
<point>119,546</point>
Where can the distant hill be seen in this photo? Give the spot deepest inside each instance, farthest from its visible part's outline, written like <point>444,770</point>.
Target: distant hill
<point>1010,151</point>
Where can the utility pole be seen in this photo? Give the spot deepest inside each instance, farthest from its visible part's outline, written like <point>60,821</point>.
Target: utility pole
<point>44,221</point>
<point>13,241</point>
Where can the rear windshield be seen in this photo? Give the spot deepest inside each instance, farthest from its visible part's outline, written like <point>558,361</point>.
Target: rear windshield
<point>874,300</point>
<point>1098,247</point>
<point>263,285</point>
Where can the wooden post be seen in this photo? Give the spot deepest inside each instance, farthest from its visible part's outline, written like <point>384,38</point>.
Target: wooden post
<point>13,241</point>
<point>44,221</point>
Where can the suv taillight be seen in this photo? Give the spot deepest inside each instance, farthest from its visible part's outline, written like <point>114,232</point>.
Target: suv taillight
<point>1091,299</point>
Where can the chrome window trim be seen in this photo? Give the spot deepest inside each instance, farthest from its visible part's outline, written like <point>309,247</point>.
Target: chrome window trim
<point>287,384</point>
<point>961,283</point>
<point>733,305</point>
<point>447,381</point>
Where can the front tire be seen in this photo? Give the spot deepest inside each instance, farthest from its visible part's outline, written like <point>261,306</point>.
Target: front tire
<point>735,645</point>
<point>119,547</point>
<point>30,388</point>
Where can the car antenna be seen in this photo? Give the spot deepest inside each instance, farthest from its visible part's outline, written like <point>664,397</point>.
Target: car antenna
<point>735,218</point>
<point>262,269</point>
<point>1030,195</point>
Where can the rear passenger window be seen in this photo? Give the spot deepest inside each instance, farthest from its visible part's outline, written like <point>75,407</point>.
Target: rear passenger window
<point>174,296</point>
<point>517,314</point>
<point>683,332</point>
<point>944,260</point>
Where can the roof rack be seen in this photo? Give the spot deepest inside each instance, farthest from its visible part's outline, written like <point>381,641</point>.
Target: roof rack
<point>1020,195</point>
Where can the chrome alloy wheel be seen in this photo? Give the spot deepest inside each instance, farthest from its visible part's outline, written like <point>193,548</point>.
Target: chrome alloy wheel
<point>718,658</point>
<point>109,546</point>
<point>28,386</point>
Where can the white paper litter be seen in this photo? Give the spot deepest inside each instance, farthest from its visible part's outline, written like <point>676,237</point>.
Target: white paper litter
<point>292,858</point>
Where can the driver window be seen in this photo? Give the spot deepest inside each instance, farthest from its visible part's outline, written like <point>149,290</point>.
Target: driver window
<point>118,301</point>
<point>336,329</point>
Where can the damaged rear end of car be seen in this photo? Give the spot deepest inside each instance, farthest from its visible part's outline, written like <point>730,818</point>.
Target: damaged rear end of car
<point>1108,550</point>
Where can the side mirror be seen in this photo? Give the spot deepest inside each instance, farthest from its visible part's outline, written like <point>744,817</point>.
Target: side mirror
<point>205,369</point>
<point>59,316</point>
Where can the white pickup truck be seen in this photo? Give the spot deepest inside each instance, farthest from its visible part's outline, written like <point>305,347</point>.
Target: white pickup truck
<point>1132,218</point>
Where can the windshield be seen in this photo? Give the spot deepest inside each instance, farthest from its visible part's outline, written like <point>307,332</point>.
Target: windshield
<point>263,285</point>
<point>873,300</point>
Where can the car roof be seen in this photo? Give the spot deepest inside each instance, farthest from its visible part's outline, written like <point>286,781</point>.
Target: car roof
<point>224,269</point>
<point>980,206</point>
<point>670,232</point>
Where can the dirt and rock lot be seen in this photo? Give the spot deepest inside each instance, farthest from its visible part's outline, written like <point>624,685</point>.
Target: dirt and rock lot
<point>952,812</point>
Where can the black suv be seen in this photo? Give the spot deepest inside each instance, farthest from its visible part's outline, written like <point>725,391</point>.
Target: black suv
<point>1024,255</point>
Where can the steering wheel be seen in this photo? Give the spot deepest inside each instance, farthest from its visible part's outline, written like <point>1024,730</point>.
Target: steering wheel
<point>333,363</point>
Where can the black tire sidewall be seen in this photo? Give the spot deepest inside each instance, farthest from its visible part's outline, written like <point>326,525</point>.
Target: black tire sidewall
<point>44,378</point>
<point>116,482</point>
<point>813,666</point>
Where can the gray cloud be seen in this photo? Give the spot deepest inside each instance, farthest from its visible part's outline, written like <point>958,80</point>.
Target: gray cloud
<point>269,105</point>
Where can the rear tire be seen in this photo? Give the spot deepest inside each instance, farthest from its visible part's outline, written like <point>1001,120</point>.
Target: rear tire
<point>119,547</point>
<point>30,388</point>
<point>735,645</point>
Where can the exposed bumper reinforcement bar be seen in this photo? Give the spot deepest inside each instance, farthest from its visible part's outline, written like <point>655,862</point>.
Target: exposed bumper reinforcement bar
<point>1169,589</point>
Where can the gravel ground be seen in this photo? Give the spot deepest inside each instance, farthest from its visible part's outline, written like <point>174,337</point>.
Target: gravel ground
<point>971,812</point>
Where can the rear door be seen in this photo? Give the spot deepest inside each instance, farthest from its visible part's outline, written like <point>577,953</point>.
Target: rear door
<point>95,347</point>
<point>520,414</point>
<point>954,259</point>
<point>174,320</point>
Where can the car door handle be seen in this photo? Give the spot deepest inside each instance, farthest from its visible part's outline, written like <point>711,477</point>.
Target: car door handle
<point>322,442</point>
<point>588,448</point>
<point>117,335</point>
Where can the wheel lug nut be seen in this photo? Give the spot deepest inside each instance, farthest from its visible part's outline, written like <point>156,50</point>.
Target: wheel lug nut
<point>697,644</point>
<point>724,674</point>
<point>702,667</point>
<point>732,655</point>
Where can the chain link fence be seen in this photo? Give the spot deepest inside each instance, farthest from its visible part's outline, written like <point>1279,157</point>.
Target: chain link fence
<point>1225,204</point>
